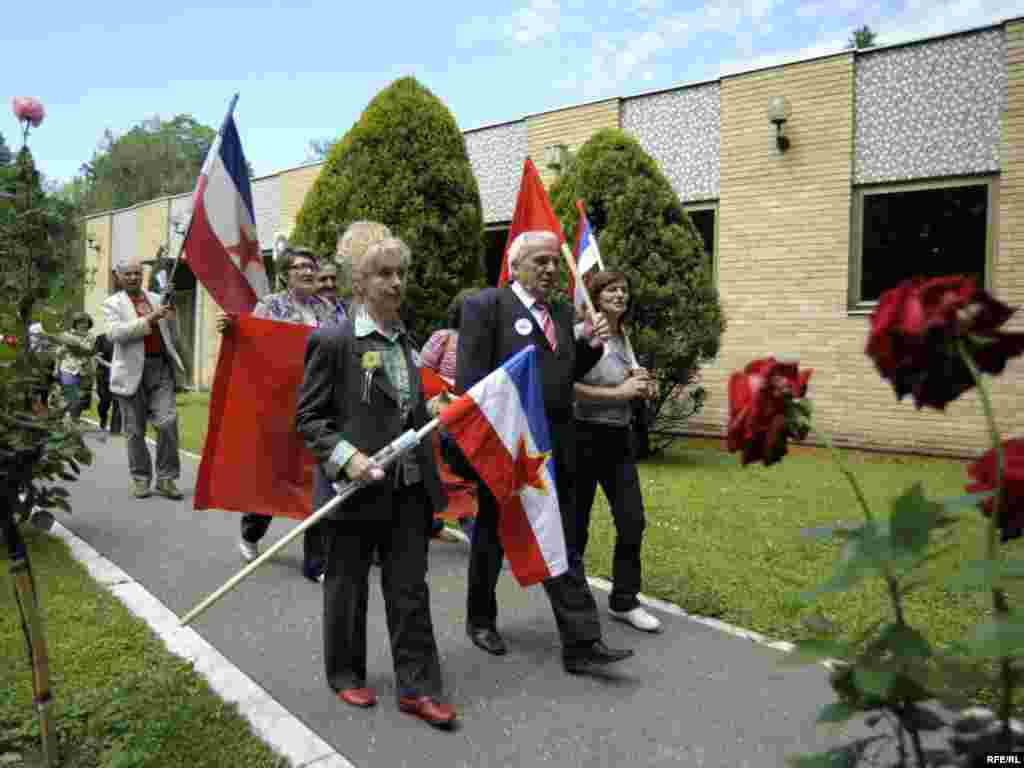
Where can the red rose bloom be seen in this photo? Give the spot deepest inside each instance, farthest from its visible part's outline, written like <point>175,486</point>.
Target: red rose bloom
<point>1011,504</point>
<point>758,424</point>
<point>28,110</point>
<point>914,330</point>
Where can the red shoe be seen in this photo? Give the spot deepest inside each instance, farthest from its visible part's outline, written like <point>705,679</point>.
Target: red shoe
<point>358,697</point>
<point>426,709</point>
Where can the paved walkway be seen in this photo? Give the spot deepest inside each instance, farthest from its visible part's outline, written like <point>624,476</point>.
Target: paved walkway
<point>693,695</point>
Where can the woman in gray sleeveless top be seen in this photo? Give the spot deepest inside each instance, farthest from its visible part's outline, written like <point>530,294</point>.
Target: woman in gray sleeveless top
<point>606,449</point>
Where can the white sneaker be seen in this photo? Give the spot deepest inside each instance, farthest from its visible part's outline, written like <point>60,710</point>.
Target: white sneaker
<point>638,618</point>
<point>250,550</point>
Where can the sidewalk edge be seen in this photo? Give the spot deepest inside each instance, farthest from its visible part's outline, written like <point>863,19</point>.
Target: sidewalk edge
<point>272,723</point>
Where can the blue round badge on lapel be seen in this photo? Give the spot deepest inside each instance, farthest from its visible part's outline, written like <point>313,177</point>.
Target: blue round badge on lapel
<point>523,326</point>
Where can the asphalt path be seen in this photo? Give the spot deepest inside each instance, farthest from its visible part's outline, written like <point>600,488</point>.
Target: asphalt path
<point>692,695</point>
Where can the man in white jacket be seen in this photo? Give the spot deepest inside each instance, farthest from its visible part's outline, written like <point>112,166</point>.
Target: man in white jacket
<point>142,379</point>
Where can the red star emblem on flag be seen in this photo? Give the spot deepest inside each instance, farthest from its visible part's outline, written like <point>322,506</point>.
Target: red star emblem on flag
<point>246,250</point>
<point>528,468</point>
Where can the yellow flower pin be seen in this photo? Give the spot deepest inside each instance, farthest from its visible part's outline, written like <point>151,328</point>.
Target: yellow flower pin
<point>371,360</point>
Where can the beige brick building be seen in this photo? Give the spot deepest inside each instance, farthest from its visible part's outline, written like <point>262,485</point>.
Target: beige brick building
<point>901,159</point>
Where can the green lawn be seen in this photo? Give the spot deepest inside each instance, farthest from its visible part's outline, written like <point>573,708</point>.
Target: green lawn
<point>122,700</point>
<point>726,541</point>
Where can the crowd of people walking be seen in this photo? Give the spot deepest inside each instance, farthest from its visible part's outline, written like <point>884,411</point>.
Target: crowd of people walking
<point>348,409</point>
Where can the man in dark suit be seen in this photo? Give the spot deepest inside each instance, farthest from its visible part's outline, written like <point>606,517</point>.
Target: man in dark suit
<point>497,323</point>
<point>360,391</point>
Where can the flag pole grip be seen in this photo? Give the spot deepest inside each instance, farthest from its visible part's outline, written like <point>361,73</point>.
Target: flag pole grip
<point>387,455</point>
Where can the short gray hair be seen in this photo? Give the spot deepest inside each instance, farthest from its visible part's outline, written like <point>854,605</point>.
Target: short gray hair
<point>528,243</point>
<point>389,245</point>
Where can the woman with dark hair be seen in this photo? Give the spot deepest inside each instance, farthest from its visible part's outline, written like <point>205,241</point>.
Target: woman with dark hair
<point>439,355</point>
<point>606,448</point>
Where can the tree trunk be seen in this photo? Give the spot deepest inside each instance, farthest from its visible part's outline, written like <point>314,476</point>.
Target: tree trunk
<point>31,618</point>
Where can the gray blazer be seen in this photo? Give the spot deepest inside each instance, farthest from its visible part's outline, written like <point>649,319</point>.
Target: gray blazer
<point>331,408</point>
<point>127,331</point>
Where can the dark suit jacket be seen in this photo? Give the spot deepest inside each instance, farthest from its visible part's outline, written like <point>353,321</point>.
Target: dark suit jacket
<point>330,409</point>
<point>488,336</point>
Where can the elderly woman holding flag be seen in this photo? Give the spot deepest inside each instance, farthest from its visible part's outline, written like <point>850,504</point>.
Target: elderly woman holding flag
<point>606,447</point>
<point>361,390</point>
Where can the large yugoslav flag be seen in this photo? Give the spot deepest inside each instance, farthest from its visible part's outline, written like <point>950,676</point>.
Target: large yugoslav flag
<point>221,246</point>
<point>502,430</point>
<point>587,257</point>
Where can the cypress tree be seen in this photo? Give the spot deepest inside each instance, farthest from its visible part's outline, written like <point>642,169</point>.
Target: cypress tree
<point>404,163</point>
<point>643,231</point>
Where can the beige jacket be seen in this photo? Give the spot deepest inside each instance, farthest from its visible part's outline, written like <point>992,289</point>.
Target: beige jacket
<point>127,331</point>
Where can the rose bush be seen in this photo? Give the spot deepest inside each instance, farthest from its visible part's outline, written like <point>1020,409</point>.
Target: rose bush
<point>933,339</point>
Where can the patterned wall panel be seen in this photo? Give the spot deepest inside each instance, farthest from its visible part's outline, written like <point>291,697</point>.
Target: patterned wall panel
<point>181,208</point>
<point>266,200</point>
<point>497,155</point>
<point>680,130</point>
<point>930,109</point>
<point>125,238</point>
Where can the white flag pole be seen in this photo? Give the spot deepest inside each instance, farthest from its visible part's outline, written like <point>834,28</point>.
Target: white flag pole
<point>387,455</point>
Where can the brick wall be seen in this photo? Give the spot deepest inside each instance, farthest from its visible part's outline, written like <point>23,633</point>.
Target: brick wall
<point>97,266</point>
<point>294,186</point>
<point>572,127</point>
<point>784,244</point>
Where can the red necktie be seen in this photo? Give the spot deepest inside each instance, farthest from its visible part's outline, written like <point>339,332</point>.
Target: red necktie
<point>548,326</point>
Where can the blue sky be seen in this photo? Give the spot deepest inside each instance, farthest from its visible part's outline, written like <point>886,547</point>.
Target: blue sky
<point>307,70</point>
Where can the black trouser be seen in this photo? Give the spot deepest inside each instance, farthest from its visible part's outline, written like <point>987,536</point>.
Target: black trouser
<point>606,455</point>
<point>254,527</point>
<point>106,402</point>
<point>402,543</point>
<point>571,599</point>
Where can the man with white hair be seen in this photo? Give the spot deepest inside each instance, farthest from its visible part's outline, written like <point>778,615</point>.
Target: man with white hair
<point>142,378</point>
<point>497,323</point>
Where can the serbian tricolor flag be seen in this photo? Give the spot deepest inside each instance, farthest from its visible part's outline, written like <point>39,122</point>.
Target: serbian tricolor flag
<point>502,430</point>
<point>533,212</point>
<point>221,246</point>
<point>586,255</point>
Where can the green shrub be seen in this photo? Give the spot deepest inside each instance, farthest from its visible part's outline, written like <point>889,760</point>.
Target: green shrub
<point>643,231</point>
<point>404,163</point>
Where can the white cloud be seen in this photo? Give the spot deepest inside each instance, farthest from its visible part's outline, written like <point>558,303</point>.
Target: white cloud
<point>535,23</point>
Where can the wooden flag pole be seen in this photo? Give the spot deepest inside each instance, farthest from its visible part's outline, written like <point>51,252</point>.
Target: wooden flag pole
<point>387,455</point>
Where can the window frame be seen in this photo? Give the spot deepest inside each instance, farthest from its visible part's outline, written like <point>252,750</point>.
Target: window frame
<point>855,304</point>
<point>709,205</point>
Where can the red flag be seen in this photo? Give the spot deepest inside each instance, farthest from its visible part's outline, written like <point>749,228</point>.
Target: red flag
<point>254,459</point>
<point>533,212</point>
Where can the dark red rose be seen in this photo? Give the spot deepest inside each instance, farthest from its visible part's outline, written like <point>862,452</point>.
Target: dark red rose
<point>11,341</point>
<point>759,420</point>
<point>915,328</point>
<point>1011,505</point>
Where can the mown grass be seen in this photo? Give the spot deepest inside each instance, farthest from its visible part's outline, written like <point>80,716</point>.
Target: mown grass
<point>730,542</point>
<point>121,699</point>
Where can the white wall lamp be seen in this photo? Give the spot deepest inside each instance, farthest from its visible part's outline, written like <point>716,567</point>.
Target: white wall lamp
<point>778,113</point>
<point>556,156</point>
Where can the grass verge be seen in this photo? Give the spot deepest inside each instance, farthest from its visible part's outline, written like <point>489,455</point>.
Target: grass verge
<point>121,699</point>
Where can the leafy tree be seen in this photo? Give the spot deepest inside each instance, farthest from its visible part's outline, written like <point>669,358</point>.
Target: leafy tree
<point>862,38</point>
<point>404,163</point>
<point>643,231</point>
<point>155,158</point>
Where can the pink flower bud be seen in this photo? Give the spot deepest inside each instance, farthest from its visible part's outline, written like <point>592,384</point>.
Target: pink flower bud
<point>28,110</point>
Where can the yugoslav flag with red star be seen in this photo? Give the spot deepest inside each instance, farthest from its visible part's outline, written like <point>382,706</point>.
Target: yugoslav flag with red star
<point>221,246</point>
<point>502,430</point>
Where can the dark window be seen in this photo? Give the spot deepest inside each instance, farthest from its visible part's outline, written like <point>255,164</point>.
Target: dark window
<point>922,232</point>
<point>704,220</point>
<point>494,249</point>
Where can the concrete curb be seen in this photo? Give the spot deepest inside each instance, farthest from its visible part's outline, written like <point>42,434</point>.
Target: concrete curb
<point>276,726</point>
